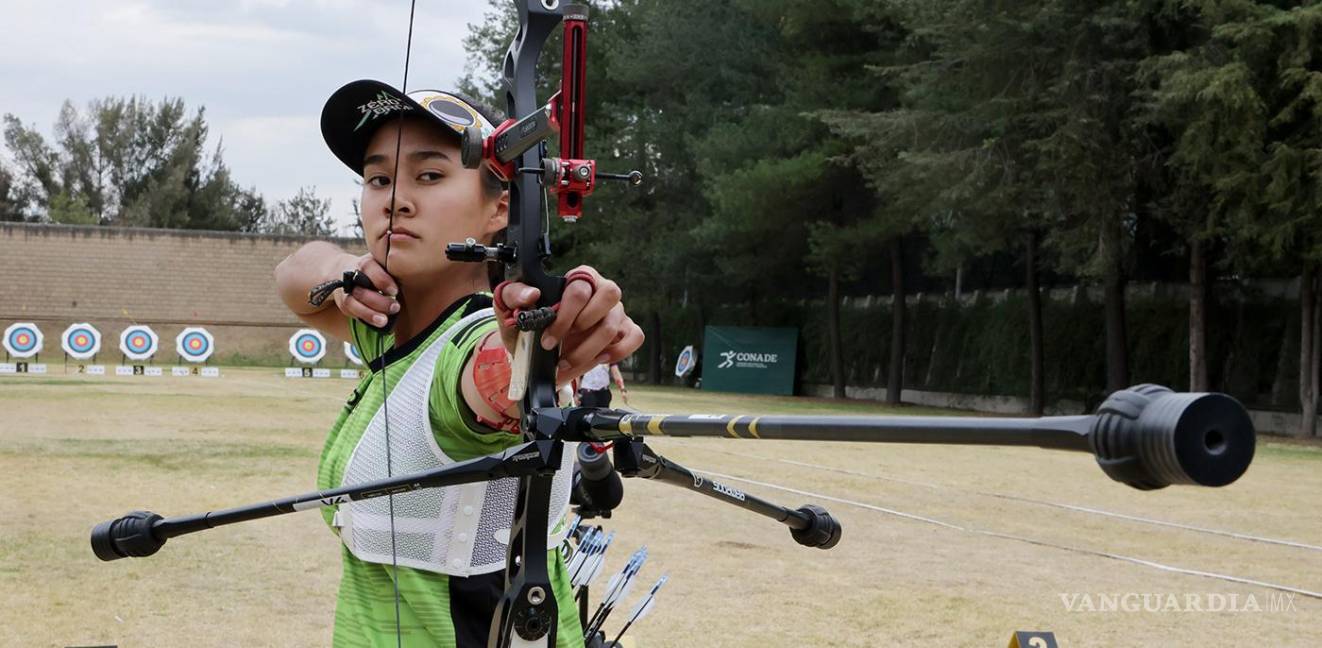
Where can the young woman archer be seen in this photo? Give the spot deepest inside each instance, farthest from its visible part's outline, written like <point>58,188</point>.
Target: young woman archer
<point>446,364</point>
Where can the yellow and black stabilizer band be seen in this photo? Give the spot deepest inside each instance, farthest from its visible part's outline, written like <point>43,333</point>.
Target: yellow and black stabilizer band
<point>1146,436</point>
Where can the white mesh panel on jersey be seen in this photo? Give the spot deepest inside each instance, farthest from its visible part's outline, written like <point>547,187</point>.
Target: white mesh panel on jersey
<point>492,534</point>
<point>456,530</point>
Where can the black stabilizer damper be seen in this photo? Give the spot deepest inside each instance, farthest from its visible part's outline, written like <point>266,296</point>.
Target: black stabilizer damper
<point>822,532</point>
<point>1150,437</point>
<point>128,537</point>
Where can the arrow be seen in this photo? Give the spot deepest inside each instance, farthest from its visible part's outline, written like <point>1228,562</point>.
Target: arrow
<point>616,589</point>
<point>593,563</point>
<point>642,609</point>
<point>575,561</point>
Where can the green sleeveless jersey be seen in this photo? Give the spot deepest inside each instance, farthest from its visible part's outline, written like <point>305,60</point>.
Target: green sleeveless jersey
<point>435,610</point>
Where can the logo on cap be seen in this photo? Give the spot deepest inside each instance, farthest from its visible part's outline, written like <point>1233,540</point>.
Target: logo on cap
<point>383,104</point>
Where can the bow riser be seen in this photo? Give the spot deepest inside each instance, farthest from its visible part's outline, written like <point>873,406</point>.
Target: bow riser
<point>527,614</point>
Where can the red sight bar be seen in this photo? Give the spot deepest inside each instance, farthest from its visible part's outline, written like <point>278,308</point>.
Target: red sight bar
<point>570,177</point>
<point>576,177</point>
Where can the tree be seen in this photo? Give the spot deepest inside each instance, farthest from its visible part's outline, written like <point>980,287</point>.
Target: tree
<point>12,203</point>
<point>37,162</point>
<point>1241,98</point>
<point>128,161</point>
<point>800,184</point>
<point>1290,178</point>
<point>70,210</point>
<point>1202,94</point>
<point>303,215</point>
<point>1093,155</point>
<point>954,159</point>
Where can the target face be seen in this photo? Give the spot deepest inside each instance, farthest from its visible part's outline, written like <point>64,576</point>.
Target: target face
<point>307,346</point>
<point>81,341</point>
<point>194,344</point>
<point>23,340</point>
<point>138,342</point>
<point>685,363</point>
<point>351,352</point>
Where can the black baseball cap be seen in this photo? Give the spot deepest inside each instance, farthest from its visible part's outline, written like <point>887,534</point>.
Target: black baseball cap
<point>354,112</point>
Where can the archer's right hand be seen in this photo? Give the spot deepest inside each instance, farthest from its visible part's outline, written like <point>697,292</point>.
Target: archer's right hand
<point>365,304</point>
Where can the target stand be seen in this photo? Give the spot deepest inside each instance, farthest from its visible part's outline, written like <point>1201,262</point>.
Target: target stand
<point>138,343</point>
<point>82,342</point>
<point>308,347</point>
<point>22,342</point>
<point>351,354</point>
<point>194,345</point>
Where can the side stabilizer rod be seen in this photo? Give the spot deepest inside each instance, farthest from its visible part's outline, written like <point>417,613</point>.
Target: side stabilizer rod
<point>143,533</point>
<point>810,525</point>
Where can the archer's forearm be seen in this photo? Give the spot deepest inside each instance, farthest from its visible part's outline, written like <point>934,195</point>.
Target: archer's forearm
<point>312,264</point>
<point>478,398</point>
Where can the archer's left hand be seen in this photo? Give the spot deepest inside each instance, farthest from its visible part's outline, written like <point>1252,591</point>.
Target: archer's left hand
<point>591,326</point>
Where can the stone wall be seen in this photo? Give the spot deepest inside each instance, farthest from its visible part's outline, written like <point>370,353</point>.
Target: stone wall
<point>55,275</point>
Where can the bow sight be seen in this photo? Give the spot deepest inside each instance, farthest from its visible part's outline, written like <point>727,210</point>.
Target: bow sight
<point>1148,436</point>
<point>569,177</point>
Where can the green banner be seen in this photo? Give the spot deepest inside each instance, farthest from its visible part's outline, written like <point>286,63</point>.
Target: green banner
<point>749,360</point>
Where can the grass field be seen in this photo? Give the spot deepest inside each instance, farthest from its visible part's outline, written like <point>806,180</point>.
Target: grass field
<point>77,450</point>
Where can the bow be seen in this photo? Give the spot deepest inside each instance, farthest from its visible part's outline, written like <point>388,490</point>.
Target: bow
<point>516,151</point>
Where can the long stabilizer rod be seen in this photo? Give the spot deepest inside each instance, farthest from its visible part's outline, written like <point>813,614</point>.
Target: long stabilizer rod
<point>1060,432</point>
<point>1146,436</point>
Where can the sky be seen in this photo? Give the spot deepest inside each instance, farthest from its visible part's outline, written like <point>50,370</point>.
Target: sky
<point>261,68</point>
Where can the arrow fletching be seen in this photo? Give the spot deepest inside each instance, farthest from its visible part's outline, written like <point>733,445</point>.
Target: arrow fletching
<point>616,587</point>
<point>600,561</point>
<point>593,562</point>
<point>627,576</point>
<point>642,609</point>
<point>644,606</point>
<point>581,553</point>
<point>613,583</point>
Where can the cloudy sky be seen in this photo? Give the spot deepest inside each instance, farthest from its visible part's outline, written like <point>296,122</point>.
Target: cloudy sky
<point>261,68</point>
